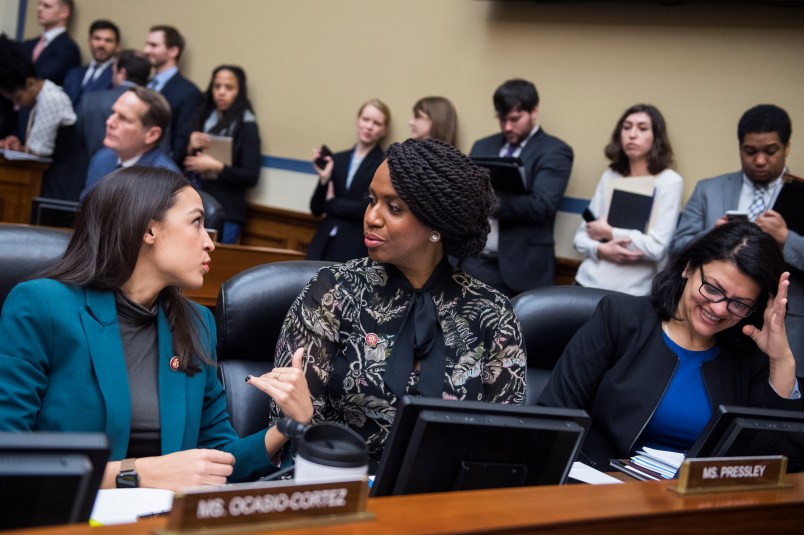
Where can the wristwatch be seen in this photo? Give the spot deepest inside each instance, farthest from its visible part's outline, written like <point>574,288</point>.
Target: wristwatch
<point>127,478</point>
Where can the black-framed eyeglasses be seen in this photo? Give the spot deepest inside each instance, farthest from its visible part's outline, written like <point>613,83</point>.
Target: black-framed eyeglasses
<point>716,295</point>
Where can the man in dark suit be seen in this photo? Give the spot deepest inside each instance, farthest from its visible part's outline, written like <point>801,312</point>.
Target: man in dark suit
<point>54,52</point>
<point>764,136</point>
<point>163,48</point>
<point>104,41</point>
<point>131,68</point>
<point>139,119</point>
<point>519,253</point>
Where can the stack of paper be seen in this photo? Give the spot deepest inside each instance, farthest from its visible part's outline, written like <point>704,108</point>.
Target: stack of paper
<point>650,464</point>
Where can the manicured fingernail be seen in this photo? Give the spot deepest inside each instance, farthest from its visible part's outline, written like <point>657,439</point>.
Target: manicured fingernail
<point>248,378</point>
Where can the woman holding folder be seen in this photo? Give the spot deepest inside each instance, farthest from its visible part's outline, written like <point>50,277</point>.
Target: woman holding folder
<point>627,259</point>
<point>226,112</point>
<point>651,370</point>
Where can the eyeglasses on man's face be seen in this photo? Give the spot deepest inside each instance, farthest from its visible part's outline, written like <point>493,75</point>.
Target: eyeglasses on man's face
<point>716,295</point>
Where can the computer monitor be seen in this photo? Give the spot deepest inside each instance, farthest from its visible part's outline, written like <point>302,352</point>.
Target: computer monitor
<point>444,445</point>
<point>748,431</point>
<point>49,478</point>
<point>53,212</point>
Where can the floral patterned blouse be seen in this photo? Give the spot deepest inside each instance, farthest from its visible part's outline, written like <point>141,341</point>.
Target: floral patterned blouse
<point>347,319</point>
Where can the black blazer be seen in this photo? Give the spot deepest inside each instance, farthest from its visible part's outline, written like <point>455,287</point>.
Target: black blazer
<point>617,367</point>
<point>526,253</point>
<point>56,59</point>
<point>345,210</point>
<point>231,185</point>
<point>183,97</point>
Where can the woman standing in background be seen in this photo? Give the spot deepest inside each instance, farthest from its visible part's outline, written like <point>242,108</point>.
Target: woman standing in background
<point>623,259</point>
<point>343,180</point>
<point>226,111</point>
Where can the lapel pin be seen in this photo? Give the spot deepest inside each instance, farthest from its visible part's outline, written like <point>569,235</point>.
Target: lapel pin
<point>372,339</point>
<point>174,363</point>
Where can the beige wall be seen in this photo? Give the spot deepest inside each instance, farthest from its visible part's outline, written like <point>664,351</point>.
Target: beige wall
<point>312,62</point>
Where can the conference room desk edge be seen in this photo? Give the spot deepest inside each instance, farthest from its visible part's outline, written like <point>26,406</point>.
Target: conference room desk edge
<point>642,507</point>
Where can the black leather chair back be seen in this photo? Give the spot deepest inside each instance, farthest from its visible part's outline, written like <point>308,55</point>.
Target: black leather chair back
<point>26,250</point>
<point>549,318</point>
<point>251,308</point>
<point>213,212</point>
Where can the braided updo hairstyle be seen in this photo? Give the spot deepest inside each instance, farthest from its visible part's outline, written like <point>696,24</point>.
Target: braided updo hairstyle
<point>445,190</point>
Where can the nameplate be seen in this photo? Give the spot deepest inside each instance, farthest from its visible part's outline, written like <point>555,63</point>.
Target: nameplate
<point>718,474</point>
<point>268,506</point>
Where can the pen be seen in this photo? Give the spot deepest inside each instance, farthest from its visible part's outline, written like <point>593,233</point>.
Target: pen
<point>153,515</point>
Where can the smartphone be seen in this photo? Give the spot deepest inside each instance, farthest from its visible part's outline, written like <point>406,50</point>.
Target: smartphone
<point>321,161</point>
<point>736,215</point>
<point>587,215</point>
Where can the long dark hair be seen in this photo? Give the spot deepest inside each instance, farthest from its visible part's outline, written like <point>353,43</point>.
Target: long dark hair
<point>234,115</point>
<point>660,156</point>
<point>754,252</point>
<point>105,246</point>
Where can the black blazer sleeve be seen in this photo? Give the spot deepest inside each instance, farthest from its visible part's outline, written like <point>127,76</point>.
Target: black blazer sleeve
<point>247,158</point>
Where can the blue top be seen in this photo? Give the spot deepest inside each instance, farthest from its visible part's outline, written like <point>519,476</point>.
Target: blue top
<point>685,407</point>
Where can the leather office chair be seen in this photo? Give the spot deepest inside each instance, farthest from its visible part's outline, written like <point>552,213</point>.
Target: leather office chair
<point>248,316</point>
<point>549,318</point>
<point>213,212</point>
<point>26,250</point>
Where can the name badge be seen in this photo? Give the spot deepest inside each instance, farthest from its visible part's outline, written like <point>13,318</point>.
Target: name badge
<point>269,505</point>
<point>718,474</point>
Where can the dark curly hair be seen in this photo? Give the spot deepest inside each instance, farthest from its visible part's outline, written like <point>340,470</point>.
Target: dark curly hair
<point>445,190</point>
<point>15,67</point>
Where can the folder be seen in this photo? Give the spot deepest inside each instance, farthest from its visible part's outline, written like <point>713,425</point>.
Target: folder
<point>630,210</point>
<point>220,148</point>
<point>507,174</point>
<point>790,202</point>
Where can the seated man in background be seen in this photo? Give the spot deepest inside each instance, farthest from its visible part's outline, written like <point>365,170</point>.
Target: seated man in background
<point>131,68</point>
<point>764,143</point>
<point>519,253</point>
<point>104,42</point>
<point>49,132</point>
<point>133,133</point>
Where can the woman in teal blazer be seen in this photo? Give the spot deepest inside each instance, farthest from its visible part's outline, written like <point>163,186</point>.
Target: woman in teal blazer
<point>105,342</point>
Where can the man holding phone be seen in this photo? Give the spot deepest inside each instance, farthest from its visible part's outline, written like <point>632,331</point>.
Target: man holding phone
<point>764,136</point>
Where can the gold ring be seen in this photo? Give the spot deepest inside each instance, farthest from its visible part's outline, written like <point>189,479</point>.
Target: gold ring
<point>276,375</point>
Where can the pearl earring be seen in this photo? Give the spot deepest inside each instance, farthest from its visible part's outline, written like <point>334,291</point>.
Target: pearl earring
<point>435,236</point>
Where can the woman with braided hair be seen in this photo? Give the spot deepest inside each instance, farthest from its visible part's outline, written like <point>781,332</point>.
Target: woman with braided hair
<point>403,320</point>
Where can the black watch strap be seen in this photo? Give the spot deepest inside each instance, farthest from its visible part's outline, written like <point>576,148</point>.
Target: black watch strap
<point>127,478</point>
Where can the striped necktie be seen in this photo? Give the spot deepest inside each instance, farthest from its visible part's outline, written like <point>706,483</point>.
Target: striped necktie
<point>757,206</point>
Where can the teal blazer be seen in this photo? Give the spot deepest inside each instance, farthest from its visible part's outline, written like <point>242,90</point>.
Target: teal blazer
<point>63,369</point>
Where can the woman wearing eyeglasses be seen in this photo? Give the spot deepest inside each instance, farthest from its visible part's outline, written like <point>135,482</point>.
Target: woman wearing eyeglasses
<point>651,370</point>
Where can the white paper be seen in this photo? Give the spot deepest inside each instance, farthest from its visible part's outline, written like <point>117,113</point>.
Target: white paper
<point>122,506</point>
<point>587,474</point>
<point>672,458</point>
<point>24,156</point>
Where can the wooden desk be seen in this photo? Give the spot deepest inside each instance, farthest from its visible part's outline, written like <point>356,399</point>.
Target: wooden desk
<point>20,182</point>
<point>639,507</point>
<point>228,261</point>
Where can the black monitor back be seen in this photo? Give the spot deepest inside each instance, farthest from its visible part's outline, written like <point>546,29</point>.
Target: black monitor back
<point>748,431</point>
<point>443,445</point>
<point>49,478</point>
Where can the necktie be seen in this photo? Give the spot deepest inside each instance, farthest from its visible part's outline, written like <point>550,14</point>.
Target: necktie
<point>90,74</point>
<point>153,84</point>
<point>757,206</point>
<point>40,46</point>
<point>511,149</point>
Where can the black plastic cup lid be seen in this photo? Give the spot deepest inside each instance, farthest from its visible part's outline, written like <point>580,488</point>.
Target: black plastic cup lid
<point>332,444</point>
